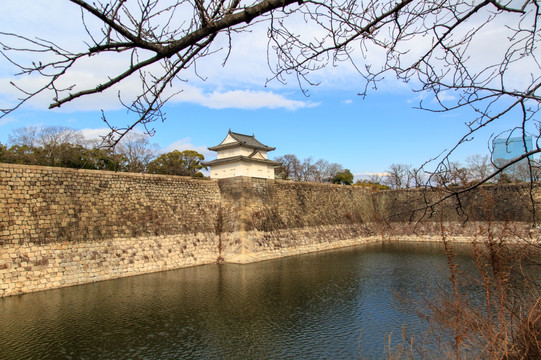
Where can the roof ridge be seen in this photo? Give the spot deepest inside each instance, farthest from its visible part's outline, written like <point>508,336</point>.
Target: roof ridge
<point>242,140</point>
<point>236,133</point>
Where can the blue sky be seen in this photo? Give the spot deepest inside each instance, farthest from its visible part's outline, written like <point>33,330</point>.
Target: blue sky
<point>364,135</point>
<point>333,123</point>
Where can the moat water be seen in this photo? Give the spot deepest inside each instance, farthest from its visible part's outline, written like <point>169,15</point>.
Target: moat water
<point>339,304</point>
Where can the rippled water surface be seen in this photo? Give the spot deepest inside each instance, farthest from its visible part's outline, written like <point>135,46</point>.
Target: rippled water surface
<point>328,305</point>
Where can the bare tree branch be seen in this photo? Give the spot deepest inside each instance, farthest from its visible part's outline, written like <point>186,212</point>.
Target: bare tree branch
<point>431,45</point>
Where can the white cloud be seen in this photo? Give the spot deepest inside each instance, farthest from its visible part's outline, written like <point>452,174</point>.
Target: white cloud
<point>418,98</point>
<point>94,134</point>
<point>240,99</point>
<point>248,99</point>
<point>108,100</point>
<point>444,96</point>
<point>86,75</point>
<point>424,97</point>
<point>347,102</point>
<point>186,144</point>
<point>367,174</point>
<point>247,67</point>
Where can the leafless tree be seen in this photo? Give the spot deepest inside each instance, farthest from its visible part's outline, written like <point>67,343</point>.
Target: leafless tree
<point>376,178</point>
<point>459,175</point>
<point>398,176</point>
<point>137,150</point>
<point>157,39</point>
<point>480,166</point>
<point>49,139</point>
<point>432,45</point>
<point>325,171</point>
<point>59,146</point>
<point>450,174</point>
<point>320,170</point>
<point>34,136</point>
<point>417,177</point>
<point>288,162</point>
<point>536,169</point>
<point>27,136</point>
<point>307,170</point>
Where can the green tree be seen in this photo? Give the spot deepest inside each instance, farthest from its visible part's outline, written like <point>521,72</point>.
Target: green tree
<point>63,155</point>
<point>343,177</point>
<point>184,163</point>
<point>3,150</point>
<point>107,159</point>
<point>80,157</point>
<point>20,154</point>
<point>374,186</point>
<point>48,146</point>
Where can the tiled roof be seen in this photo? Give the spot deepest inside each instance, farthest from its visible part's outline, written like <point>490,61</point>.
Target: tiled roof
<point>240,158</point>
<point>242,140</point>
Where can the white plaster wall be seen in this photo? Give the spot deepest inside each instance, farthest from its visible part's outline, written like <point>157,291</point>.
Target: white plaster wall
<point>234,152</point>
<point>222,171</point>
<point>263,154</point>
<point>228,139</point>
<point>261,171</point>
<point>239,168</point>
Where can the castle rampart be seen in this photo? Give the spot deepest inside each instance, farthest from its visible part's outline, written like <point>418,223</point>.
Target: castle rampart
<point>61,227</point>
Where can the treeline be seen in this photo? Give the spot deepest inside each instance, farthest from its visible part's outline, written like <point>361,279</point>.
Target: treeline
<point>66,147</point>
<point>456,174</point>
<point>292,168</point>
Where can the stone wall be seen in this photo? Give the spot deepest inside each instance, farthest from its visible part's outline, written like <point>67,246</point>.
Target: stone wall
<point>268,219</point>
<point>507,202</point>
<point>46,204</point>
<point>32,267</point>
<point>61,227</point>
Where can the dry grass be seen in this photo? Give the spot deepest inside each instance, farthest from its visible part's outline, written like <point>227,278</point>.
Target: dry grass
<point>504,323</point>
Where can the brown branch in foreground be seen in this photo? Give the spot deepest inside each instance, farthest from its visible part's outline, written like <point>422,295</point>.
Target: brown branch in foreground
<point>161,40</point>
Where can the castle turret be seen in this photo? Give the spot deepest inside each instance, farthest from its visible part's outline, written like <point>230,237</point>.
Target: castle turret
<point>241,155</point>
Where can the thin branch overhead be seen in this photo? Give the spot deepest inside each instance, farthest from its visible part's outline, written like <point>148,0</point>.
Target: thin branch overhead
<point>431,45</point>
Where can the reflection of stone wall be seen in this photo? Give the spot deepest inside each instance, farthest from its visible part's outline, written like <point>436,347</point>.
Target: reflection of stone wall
<point>60,227</point>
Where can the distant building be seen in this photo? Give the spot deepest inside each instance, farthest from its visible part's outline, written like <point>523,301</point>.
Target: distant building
<point>507,149</point>
<point>241,155</point>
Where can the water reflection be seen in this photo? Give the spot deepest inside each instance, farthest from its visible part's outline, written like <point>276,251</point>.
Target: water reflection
<point>329,305</point>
